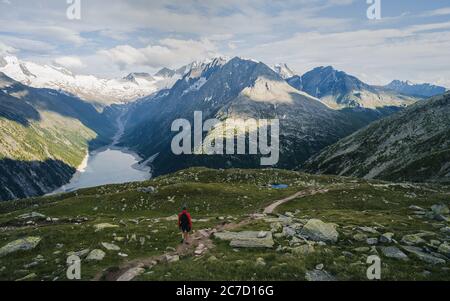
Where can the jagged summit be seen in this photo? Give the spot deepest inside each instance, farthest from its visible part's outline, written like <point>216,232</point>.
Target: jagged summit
<point>284,71</point>
<point>102,92</point>
<point>414,89</point>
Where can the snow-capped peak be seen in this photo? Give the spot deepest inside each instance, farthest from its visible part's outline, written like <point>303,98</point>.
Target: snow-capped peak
<point>88,87</point>
<point>284,71</point>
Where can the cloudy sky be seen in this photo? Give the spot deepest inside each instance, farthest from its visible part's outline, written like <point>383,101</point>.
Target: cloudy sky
<point>114,37</point>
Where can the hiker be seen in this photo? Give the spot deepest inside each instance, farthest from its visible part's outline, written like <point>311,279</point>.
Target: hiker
<point>185,224</point>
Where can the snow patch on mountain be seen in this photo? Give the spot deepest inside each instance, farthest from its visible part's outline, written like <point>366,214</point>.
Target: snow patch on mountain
<point>102,92</point>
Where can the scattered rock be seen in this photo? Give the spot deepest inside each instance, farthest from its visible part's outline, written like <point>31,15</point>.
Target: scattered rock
<point>416,208</point>
<point>100,227</point>
<point>386,237</point>
<point>319,267</point>
<point>317,230</point>
<point>289,231</point>
<point>81,254</point>
<point>149,189</point>
<point>110,247</point>
<point>32,215</point>
<point>171,258</point>
<point>96,255</point>
<point>360,237</point>
<point>131,274</point>
<point>413,239</point>
<point>303,250</point>
<point>262,234</point>
<point>362,249</point>
<point>28,277</point>
<point>23,244</point>
<point>440,209</point>
<point>318,275</point>
<point>445,230</point>
<point>247,239</point>
<point>394,252</point>
<point>260,262</point>
<point>423,256</point>
<point>440,218</point>
<point>444,249</point>
<point>372,241</point>
<point>368,230</point>
<point>347,254</point>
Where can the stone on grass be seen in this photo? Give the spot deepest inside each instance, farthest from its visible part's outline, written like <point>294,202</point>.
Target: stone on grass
<point>372,241</point>
<point>418,252</point>
<point>23,244</point>
<point>247,239</point>
<point>171,258</point>
<point>394,252</point>
<point>317,230</point>
<point>303,250</point>
<point>110,247</point>
<point>260,262</point>
<point>368,230</point>
<point>81,254</point>
<point>100,227</point>
<point>360,237</point>
<point>28,277</point>
<point>444,249</point>
<point>386,237</point>
<point>96,255</point>
<point>32,215</point>
<point>440,209</point>
<point>413,239</point>
<point>131,274</point>
<point>445,230</point>
<point>319,275</point>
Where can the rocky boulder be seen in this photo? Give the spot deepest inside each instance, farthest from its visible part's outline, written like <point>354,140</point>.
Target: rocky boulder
<point>23,244</point>
<point>394,252</point>
<point>247,239</point>
<point>96,255</point>
<point>317,230</point>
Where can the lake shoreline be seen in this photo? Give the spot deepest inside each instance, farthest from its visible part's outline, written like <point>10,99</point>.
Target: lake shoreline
<point>108,150</point>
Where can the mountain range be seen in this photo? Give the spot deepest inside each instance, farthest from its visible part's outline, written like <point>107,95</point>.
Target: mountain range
<point>50,118</point>
<point>339,90</point>
<point>238,88</point>
<point>100,92</point>
<point>419,90</point>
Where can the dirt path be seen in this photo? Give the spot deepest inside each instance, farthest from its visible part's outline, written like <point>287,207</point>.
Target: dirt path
<point>271,208</point>
<point>200,241</point>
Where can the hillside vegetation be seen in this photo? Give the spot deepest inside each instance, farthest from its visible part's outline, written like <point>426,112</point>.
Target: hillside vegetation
<point>129,231</point>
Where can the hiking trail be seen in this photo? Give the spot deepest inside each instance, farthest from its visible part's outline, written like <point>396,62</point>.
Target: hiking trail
<point>131,269</point>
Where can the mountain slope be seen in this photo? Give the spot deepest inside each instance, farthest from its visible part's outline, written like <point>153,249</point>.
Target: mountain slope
<point>44,136</point>
<point>101,92</point>
<point>413,145</point>
<point>235,88</point>
<point>418,90</point>
<point>338,90</point>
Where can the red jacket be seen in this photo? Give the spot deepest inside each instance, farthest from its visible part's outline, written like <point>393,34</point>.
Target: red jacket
<point>188,216</point>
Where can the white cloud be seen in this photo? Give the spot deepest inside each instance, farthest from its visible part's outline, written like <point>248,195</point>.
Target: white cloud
<point>168,52</point>
<point>70,62</point>
<point>437,12</point>
<point>5,49</point>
